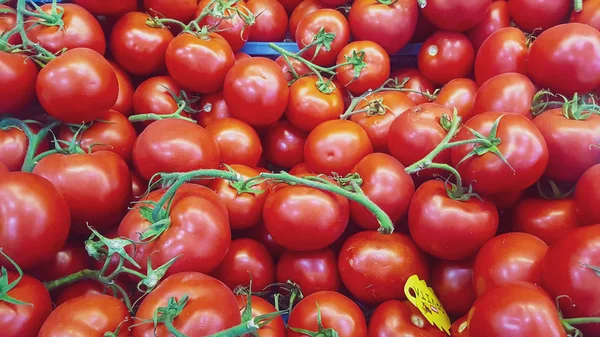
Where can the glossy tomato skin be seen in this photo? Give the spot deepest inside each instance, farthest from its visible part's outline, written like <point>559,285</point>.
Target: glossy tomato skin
<point>506,93</point>
<point>530,15</point>
<point>90,315</point>
<point>271,21</point>
<point>313,271</point>
<point>275,328</point>
<point>256,91</point>
<point>108,7</point>
<point>338,312</point>
<point>64,91</point>
<point>458,94</point>
<point>137,47</point>
<point>570,144</point>
<point>522,144</point>
<point>174,145</point>
<point>589,15</point>
<point>210,302</point>
<point>213,107</point>
<point>231,27</point>
<point>246,260</point>
<point>283,144</point>
<point>124,103</point>
<point>3,168</point>
<point>336,146</point>
<point>587,196</point>
<point>182,10</point>
<point>474,222</point>
<point>25,320</point>
<point>81,288</point>
<point>565,273</point>
<point>505,51</point>
<point>333,22</point>
<point>69,259</point>
<point>260,234</point>
<point>508,258</point>
<point>389,25</point>
<point>293,65</point>
<point>566,59</point>
<point>8,19</point>
<point>17,90</point>
<point>460,327</point>
<point>374,267</point>
<point>384,182</point>
<point>13,146</point>
<point>445,56</point>
<point>496,18</point>
<point>546,219</point>
<point>238,142</point>
<point>372,76</point>
<point>44,227</point>
<point>452,282</point>
<point>395,318</point>
<point>154,96</point>
<point>456,15</point>
<point>308,106</point>
<point>414,81</point>
<point>515,309</point>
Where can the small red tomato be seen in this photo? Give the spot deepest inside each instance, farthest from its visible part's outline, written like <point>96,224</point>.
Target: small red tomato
<point>395,318</point>
<point>313,271</point>
<point>506,93</point>
<point>530,15</point>
<point>230,25</point>
<point>292,70</point>
<point>312,102</point>
<point>414,80</point>
<point>587,196</point>
<point>458,94</point>
<point>271,21</point>
<point>283,144</point>
<point>369,68</point>
<point>496,18</point>
<point>68,260</point>
<point>17,90</point>
<point>124,103</point>
<point>238,142</point>
<point>323,21</point>
<point>505,51</point>
<point>452,282</point>
<point>212,107</point>
<point>108,7</point>
<point>182,10</point>
<point>13,146</point>
<point>303,9</point>
<point>260,234</point>
<point>456,15</point>
<point>445,56</point>
<point>590,14</point>
<point>546,219</point>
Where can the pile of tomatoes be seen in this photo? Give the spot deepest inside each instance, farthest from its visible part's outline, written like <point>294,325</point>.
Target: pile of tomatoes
<point>155,180</point>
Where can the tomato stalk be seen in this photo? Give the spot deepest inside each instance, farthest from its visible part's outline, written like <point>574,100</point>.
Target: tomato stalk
<point>181,107</point>
<point>422,3</point>
<point>578,6</point>
<point>313,67</point>
<point>556,193</point>
<point>5,287</point>
<point>34,139</point>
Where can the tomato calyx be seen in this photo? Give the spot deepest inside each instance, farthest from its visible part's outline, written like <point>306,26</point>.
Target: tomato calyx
<point>322,332</point>
<point>422,3</point>
<point>556,191</point>
<point>117,331</point>
<point>568,323</point>
<point>5,287</point>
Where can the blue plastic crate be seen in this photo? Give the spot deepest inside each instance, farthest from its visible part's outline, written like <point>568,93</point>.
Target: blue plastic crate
<point>263,49</point>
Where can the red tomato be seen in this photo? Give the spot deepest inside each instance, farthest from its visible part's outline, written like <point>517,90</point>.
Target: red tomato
<point>394,318</point>
<point>566,58</point>
<point>138,186</point>
<point>124,103</point>
<point>199,63</point>
<point>389,25</point>
<point>445,56</point>
<point>456,15</point>
<point>330,21</point>
<point>108,7</point>
<point>300,169</point>
<point>458,94</point>
<point>290,5</point>
<point>210,301</point>
<point>570,144</point>
<point>374,267</point>
<point>17,90</point>
<point>506,93</point>
<point>587,196</point>
<point>474,222</point>
<point>240,56</point>
<point>275,328</point>
<point>13,146</point>
<point>569,271</point>
<point>79,29</point>
<point>256,91</point>
<point>182,10</point>
<point>238,142</point>
<point>313,271</point>
<point>546,219</point>
<point>303,9</point>
<point>374,71</point>
<point>452,282</point>
<point>271,21</point>
<point>174,145</point>
<point>260,234</point>
<point>338,312</point>
<point>68,260</point>
<point>155,96</point>
<point>20,320</point>
<point>212,107</point>
<point>519,141</point>
<point>294,66</point>
<point>508,258</point>
<point>90,316</point>
<point>530,15</point>
<point>589,15</point>
<point>82,288</point>
<point>459,327</point>
<point>64,91</point>
<point>44,227</point>
<point>138,47</point>
<point>497,17</point>
<point>247,260</point>
<point>414,81</point>
<point>8,20</point>
<point>283,144</point>
<point>505,51</point>
<point>3,168</point>
<point>308,106</point>
<point>336,146</point>
<point>515,309</point>
<point>231,26</point>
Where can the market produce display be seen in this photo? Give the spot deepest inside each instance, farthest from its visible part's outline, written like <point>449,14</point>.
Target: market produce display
<point>419,168</point>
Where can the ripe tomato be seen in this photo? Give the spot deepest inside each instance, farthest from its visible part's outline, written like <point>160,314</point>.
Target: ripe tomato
<point>174,145</point>
<point>445,56</point>
<point>182,10</point>
<point>456,15</point>
<point>199,63</point>
<point>238,142</point>
<point>79,29</point>
<point>488,173</point>
<point>25,320</point>
<point>260,234</point>
<point>374,267</point>
<point>566,58</point>
<point>336,146</point>
<point>459,327</point>
<point>271,21</point>
<point>212,107</point>
<point>64,91</point>
<point>395,318</point>
<point>546,219</point>
<point>68,260</point>
<point>389,25</point>
<point>8,19</point>
<point>384,182</point>
<point>458,94</point>
<point>530,15</point>
<point>514,309</point>
<point>300,11</point>
<point>508,258</point>
<point>155,96</point>
<point>13,146</point>
<point>44,227</point>
<point>308,106</point>
<point>569,270</point>
<point>275,328</point>
<point>452,282</point>
<point>570,144</point>
<point>210,301</point>
<point>474,222</point>
<point>374,72</point>
<point>338,312</point>
<point>505,51</point>
<point>82,288</point>
<point>590,14</point>
<point>138,47</point>
<point>256,91</point>
<point>3,168</point>
<point>414,80</point>
<point>283,144</point>
<point>91,315</point>
<point>506,93</point>
<point>17,90</point>
<point>124,103</point>
<point>108,7</point>
<point>231,26</point>
<point>587,196</point>
<point>300,169</point>
<point>496,18</point>
<point>294,65</point>
<point>330,21</point>
<point>313,271</point>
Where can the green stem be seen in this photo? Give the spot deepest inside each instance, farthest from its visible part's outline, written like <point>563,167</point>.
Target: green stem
<point>20,28</point>
<point>582,320</point>
<point>85,274</point>
<point>578,7</point>
<point>34,140</point>
<point>172,21</point>
<point>315,68</point>
<point>152,116</point>
<point>133,272</point>
<point>172,329</point>
<point>240,330</point>
<point>448,168</point>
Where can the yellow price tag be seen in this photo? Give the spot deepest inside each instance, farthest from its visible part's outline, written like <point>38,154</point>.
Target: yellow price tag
<point>423,297</point>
